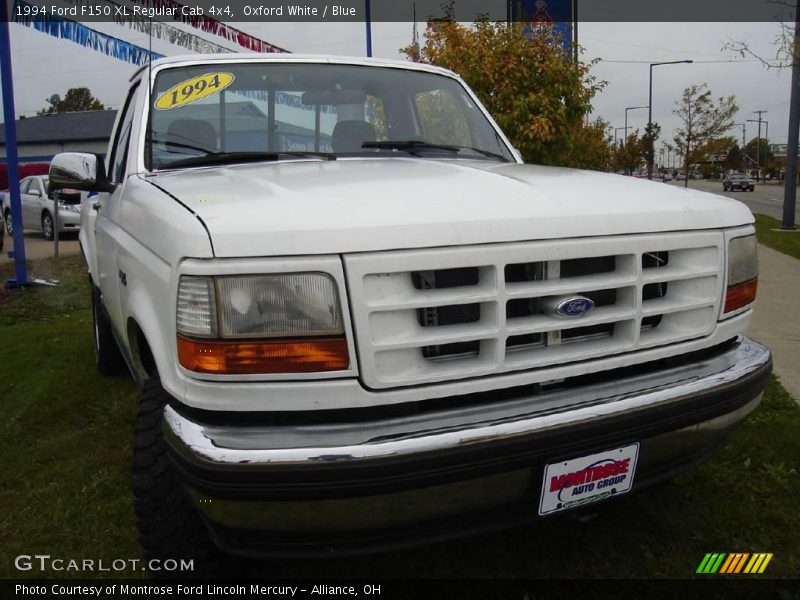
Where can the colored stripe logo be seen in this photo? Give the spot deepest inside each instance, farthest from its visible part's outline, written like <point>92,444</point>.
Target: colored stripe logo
<point>734,563</point>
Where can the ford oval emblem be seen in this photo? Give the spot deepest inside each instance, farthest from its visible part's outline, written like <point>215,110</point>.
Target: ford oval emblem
<point>574,306</point>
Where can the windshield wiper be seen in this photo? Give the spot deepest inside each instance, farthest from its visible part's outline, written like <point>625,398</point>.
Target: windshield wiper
<point>411,146</point>
<point>224,158</point>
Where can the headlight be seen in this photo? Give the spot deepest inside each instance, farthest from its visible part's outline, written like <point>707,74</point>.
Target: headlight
<point>72,208</point>
<point>261,324</point>
<point>742,273</point>
<point>279,305</point>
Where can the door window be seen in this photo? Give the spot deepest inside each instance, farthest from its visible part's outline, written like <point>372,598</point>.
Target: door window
<point>119,152</point>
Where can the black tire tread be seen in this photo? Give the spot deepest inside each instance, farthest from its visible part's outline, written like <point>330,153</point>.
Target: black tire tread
<point>169,526</point>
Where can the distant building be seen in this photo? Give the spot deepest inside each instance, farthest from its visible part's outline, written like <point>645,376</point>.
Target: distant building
<point>40,138</point>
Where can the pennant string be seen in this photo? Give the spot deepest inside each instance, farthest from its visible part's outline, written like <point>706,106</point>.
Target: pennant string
<point>66,29</point>
<point>162,31</point>
<point>209,25</point>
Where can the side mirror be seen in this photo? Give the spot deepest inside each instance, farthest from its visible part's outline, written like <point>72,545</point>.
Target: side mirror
<point>79,171</point>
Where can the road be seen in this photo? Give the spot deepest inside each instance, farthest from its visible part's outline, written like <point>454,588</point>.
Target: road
<point>767,199</point>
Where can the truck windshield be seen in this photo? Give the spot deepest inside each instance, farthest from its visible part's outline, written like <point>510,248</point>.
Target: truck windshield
<point>213,112</point>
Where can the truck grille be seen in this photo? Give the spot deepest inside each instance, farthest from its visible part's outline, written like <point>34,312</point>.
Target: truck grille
<point>434,315</point>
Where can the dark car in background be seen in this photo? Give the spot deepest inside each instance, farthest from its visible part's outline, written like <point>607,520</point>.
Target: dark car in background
<point>738,181</point>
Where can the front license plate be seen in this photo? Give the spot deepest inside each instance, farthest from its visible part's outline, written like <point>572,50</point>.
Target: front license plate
<point>578,481</point>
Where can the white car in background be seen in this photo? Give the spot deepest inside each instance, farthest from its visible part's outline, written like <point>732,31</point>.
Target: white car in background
<point>38,208</point>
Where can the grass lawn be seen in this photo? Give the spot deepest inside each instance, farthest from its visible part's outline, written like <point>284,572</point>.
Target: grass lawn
<point>65,488</point>
<point>787,242</point>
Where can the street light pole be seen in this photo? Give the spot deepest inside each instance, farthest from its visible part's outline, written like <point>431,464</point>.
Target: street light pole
<point>368,24</point>
<point>650,109</point>
<point>616,129</point>
<point>742,125</point>
<point>626,116</point>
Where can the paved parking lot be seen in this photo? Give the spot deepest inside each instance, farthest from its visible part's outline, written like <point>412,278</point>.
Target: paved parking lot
<point>38,247</point>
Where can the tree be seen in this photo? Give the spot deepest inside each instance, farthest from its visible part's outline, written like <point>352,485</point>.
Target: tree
<point>629,155</point>
<point>715,154</point>
<point>758,149</point>
<point>787,50</point>
<point>734,161</point>
<point>534,90</point>
<point>651,133</point>
<point>702,120</point>
<point>75,100</point>
<point>589,147</point>
<point>717,145</point>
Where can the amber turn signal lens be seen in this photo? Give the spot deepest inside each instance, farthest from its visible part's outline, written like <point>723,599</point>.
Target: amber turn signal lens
<point>740,295</point>
<point>270,357</point>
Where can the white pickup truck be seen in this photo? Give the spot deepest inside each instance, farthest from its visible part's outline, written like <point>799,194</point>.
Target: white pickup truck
<point>359,320</point>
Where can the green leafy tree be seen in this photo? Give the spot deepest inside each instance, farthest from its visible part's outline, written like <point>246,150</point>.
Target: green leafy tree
<point>758,149</point>
<point>629,155</point>
<point>532,87</point>
<point>714,155</point>
<point>734,161</point>
<point>702,120</point>
<point>717,146</point>
<point>75,100</point>
<point>590,148</point>
<point>651,133</point>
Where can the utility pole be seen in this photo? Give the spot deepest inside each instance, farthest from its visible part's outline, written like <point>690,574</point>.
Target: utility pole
<point>758,145</point>
<point>790,184</point>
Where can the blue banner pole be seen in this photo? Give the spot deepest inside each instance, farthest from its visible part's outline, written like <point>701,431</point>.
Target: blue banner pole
<point>9,115</point>
<point>368,22</point>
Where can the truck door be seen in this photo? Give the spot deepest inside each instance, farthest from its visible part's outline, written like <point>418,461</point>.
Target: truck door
<point>105,210</point>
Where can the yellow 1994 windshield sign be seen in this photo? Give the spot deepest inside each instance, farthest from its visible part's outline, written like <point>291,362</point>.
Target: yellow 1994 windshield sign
<point>194,89</point>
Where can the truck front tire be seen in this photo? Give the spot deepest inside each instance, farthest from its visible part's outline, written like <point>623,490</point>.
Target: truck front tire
<point>168,524</point>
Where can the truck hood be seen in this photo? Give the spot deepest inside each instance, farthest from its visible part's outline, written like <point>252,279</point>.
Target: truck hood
<point>358,205</point>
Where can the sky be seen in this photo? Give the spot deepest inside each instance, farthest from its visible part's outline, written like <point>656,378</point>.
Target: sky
<point>44,65</point>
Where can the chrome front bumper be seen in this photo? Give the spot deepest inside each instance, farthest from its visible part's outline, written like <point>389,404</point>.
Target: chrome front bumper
<point>312,485</point>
